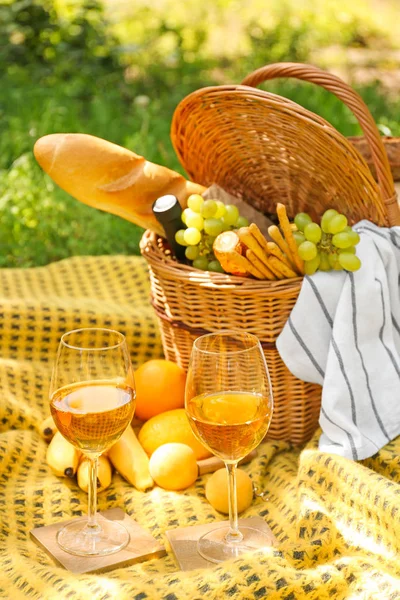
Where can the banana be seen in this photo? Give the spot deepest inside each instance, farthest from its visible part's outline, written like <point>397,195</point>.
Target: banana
<point>131,461</point>
<point>48,428</point>
<point>104,473</point>
<point>62,457</point>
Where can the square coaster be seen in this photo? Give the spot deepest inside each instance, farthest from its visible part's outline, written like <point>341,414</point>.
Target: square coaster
<point>183,541</point>
<point>141,547</point>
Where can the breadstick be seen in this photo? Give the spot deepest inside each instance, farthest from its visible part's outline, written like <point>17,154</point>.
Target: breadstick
<point>255,261</point>
<point>256,233</point>
<point>259,237</point>
<point>282,268</point>
<point>276,235</point>
<point>245,264</point>
<point>275,269</point>
<point>276,251</point>
<point>288,234</point>
<point>248,240</point>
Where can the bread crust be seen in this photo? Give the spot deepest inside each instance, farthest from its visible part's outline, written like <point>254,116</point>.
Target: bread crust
<point>110,177</point>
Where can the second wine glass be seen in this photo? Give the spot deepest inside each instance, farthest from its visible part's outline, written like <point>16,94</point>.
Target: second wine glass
<point>229,403</point>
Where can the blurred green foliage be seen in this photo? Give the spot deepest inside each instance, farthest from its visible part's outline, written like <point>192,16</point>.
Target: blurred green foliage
<point>81,67</point>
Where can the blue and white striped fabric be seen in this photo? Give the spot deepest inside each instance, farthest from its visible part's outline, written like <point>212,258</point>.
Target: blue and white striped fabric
<point>344,334</point>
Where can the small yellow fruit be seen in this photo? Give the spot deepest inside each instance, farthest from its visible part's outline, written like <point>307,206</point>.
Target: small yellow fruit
<point>217,490</point>
<point>168,427</point>
<point>173,466</point>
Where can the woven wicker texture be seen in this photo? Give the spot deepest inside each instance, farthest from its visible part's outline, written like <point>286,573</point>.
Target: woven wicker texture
<point>337,521</point>
<point>266,149</point>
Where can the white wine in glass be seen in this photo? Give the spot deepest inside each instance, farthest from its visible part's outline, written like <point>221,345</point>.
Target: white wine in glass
<point>92,400</point>
<point>229,404</point>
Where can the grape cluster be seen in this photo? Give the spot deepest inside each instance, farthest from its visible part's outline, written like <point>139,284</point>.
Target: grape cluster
<point>205,220</point>
<point>328,246</point>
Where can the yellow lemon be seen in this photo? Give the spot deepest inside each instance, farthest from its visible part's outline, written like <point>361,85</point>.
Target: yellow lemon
<point>170,427</point>
<point>217,490</point>
<point>173,466</point>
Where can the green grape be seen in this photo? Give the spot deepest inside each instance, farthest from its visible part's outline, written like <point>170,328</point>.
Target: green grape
<point>307,250</point>
<point>192,252</point>
<point>350,249</point>
<point>201,263</point>
<point>209,240</point>
<point>225,226</point>
<point>231,215</point>
<point>299,237</point>
<point>337,266</point>
<point>337,224</point>
<point>355,238</point>
<point>221,210</point>
<point>195,202</point>
<point>324,263</point>
<point>313,232</point>
<point>214,265</point>
<point>195,220</point>
<point>186,213</point>
<point>333,259</point>
<point>342,240</point>
<point>192,236</point>
<point>213,227</point>
<point>301,220</point>
<point>310,266</point>
<point>209,209</point>
<point>179,237</point>
<point>349,261</point>
<point>241,222</point>
<point>326,219</point>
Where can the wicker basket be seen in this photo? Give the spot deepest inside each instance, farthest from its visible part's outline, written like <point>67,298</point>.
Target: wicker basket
<point>265,149</point>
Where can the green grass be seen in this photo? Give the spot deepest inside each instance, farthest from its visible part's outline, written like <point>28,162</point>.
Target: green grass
<point>39,223</point>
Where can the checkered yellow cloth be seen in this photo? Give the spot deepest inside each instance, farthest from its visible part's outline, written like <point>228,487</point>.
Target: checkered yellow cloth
<point>337,521</point>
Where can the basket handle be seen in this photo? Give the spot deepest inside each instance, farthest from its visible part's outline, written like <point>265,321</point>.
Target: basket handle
<point>356,104</point>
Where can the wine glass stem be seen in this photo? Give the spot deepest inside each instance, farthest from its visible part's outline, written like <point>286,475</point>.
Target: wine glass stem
<point>234,534</point>
<point>92,524</point>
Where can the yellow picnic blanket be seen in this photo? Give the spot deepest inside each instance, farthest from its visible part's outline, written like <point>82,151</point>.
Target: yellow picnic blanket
<point>337,522</point>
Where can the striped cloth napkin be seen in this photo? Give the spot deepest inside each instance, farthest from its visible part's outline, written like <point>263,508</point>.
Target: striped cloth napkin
<point>344,334</point>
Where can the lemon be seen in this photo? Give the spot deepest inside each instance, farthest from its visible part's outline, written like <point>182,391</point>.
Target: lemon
<point>173,466</point>
<point>217,490</point>
<point>169,427</point>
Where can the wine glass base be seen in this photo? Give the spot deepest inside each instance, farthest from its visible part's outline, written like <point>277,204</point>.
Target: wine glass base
<point>108,538</point>
<point>214,547</point>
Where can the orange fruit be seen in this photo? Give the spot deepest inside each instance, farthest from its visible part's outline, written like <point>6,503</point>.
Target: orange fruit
<point>217,490</point>
<point>160,386</point>
<point>170,427</point>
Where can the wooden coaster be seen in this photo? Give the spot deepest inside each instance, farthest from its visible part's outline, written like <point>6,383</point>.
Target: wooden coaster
<point>141,547</point>
<point>183,541</point>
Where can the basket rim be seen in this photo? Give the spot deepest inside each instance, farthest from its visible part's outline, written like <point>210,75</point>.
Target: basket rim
<point>155,256</point>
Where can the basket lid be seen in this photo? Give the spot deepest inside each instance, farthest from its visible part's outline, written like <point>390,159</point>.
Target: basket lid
<point>267,149</point>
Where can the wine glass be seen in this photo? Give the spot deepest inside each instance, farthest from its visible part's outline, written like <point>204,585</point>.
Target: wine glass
<point>229,403</point>
<point>92,400</point>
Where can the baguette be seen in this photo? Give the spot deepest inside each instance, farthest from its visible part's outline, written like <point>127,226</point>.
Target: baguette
<point>110,177</point>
